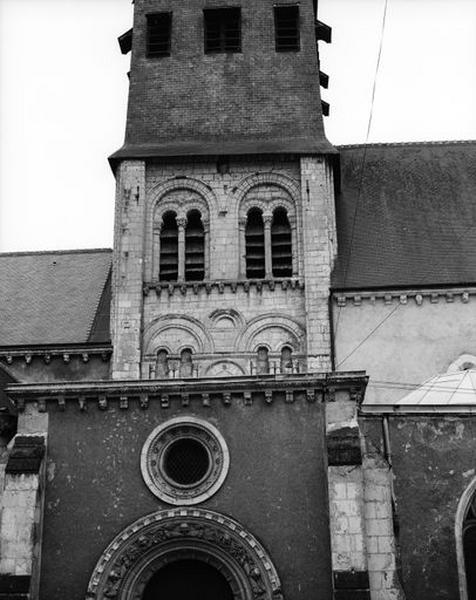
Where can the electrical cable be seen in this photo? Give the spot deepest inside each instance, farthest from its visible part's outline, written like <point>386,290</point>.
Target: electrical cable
<point>364,157</point>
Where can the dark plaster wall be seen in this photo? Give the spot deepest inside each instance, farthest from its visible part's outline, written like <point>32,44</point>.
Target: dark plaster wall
<point>434,460</point>
<point>276,488</point>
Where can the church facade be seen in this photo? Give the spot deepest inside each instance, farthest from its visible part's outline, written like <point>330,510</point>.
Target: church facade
<point>264,391</point>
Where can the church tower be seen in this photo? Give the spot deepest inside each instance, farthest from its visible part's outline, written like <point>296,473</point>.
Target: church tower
<point>220,456</point>
<point>224,233</point>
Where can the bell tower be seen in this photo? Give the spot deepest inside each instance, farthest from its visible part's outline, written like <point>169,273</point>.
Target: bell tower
<point>224,233</point>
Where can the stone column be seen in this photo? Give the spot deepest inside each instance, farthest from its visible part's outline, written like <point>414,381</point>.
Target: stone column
<point>294,246</point>
<point>156,250</point>
<point>206,248</point>
<point>268,259</point>
<point>181,224</point>
<point>242,246</point>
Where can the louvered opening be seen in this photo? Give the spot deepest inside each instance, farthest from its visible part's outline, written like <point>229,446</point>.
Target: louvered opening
<point>222,30</point>
<point>286,21</point>
<point>159,29</point>
<point>169,248</point>
<point>194,248</point>
<point>281,244</point>
<point>254,236</point>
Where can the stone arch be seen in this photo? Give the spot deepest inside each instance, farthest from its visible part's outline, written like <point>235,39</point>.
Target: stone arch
<point>292,334</point>
<point>253,192</point>
<point>202,342</point>
<point>166,196</point>
<point>227,313</point>
<point>289,185</point>
<point>463,506</point>
<point>224,368</point>
<point>149,543</point>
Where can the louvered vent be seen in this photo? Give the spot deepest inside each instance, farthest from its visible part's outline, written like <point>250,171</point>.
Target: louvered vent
<point>281,245</point>
<point>254,235</point>
<point>169,248</point>
<point>194,248</point>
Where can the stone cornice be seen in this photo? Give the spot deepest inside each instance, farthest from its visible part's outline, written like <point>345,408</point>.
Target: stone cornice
<point>264,389</point>
<point>49,351</point>
<point>404,296</point>
<point>220,286</point>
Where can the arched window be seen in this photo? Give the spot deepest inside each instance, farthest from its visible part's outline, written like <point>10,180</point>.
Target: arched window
<point>162,365</point>
<point>469,549</point>
<point>186,364</point>
<point>262,361</point>
<point>194,247</point>
<point>281,245</point>
<point>254,237</point>
<point>169,248</point>
<point>286,360</point>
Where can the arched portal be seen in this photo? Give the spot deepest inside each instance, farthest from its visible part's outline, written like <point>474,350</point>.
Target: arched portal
<point>188,579</point>
<point>150,553</point>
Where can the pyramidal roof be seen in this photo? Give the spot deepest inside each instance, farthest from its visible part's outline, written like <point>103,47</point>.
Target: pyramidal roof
<point>451,392</point>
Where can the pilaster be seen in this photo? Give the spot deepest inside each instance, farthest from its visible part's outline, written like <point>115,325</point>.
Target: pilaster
<point>346,502</point>
<point>318,226</point>
<point>128,259</point>
<point>22,508</point>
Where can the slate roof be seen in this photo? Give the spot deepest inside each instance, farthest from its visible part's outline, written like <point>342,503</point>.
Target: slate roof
<point>413,222</point>
<point>53,297</point>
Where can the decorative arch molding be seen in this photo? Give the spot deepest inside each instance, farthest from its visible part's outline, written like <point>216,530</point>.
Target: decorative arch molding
<point>165,197</point>
<point>225,368</point>
<point>157,193</point>
<point>464,361</point>
<point>228,313</point>
<point>152,341</point>
<point>246,341</point>
<point>153,541</point>
<point>463,506</point>
<point>289,185</point>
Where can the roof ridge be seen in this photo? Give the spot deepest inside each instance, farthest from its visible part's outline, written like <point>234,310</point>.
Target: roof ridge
<point>420,143</point>
<point>56,252</point>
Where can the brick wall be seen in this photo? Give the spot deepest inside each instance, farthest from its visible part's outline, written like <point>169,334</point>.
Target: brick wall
<point>257,94</point>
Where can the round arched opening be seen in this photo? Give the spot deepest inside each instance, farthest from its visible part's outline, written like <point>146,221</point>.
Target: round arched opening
<point>188,579</point>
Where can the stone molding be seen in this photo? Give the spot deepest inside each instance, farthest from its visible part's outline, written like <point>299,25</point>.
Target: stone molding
<point>138,394</point>
<point>49,353</point>
<point>220,286</point>
<point>294,330</point>
<point>180,428</point>
<point>155,540</point>
<point>152,340</point>
<point>409,296</point>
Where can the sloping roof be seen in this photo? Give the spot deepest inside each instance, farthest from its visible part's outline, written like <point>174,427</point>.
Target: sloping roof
<point>414,220</point>
<point>444,390</point>
<point>52,297</point>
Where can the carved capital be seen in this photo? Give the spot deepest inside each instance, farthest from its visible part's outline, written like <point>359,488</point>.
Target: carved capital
<point>181,222</point>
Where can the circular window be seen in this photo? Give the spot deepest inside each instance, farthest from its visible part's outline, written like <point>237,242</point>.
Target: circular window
<point>184,461</point>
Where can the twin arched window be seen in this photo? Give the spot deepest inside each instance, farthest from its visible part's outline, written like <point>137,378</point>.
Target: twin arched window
<point>268,244</point>
<point>185,366</point>
<point>182,247</point>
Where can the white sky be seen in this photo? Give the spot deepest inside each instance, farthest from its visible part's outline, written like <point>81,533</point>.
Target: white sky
<point>63,92</point>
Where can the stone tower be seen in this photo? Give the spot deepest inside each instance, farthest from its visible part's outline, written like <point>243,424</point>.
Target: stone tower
<point>224,231</point>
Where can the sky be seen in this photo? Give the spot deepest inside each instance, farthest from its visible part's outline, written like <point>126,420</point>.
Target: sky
<point>63,97</point>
